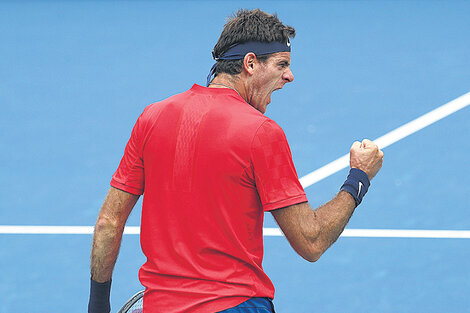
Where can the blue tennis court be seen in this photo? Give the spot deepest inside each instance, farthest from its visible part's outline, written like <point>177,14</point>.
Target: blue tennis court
<point>74,77</point>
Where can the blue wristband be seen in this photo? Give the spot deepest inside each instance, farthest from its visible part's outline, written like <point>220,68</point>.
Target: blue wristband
<point>99,297</point>
<point>356,184</point>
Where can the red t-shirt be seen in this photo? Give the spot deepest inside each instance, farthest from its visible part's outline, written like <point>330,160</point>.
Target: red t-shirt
<point>210,165</point>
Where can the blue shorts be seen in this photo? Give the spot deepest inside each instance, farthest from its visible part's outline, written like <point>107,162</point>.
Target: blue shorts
<point>253,305</point>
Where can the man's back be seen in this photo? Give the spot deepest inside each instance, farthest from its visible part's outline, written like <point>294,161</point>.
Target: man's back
<point>202,154</point>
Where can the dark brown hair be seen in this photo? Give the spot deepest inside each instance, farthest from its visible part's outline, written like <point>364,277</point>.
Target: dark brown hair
<point>249,25</point>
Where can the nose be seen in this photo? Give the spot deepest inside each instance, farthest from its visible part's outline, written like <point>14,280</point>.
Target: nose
<point>288,76</point>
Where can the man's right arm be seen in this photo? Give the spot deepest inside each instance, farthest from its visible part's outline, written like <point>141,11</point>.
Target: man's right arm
<point>106,242</point>
<point>311,232</point>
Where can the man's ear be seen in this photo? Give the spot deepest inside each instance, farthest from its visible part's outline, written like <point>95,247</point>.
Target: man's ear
<point>249,63</point>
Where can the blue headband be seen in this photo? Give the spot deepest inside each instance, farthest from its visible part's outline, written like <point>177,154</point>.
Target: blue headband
<point>238,51</point>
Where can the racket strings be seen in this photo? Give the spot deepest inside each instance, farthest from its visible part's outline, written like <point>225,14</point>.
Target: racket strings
<point>134,304</point>
<point>136,307</point>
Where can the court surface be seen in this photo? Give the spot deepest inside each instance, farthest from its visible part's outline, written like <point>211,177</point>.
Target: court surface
<point>74,77</point>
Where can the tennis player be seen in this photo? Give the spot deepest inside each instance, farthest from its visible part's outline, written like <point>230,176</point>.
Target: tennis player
<point>209,164</point>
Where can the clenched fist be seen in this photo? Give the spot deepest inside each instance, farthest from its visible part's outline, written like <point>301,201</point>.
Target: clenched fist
<point>366,156</point>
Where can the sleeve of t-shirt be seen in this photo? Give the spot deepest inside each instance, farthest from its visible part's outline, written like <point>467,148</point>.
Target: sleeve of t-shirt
<point>275,176</point>
<point>129,176</point>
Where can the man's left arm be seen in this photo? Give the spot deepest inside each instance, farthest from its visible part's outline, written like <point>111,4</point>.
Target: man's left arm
<point>106,243</point>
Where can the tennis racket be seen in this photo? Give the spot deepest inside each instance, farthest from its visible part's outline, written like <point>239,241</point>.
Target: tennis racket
<point>134,304</point>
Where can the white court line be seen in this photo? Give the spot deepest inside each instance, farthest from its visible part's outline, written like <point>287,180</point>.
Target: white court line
<point>390,138</point>
<point>135,230</point>
<point>57,230</point>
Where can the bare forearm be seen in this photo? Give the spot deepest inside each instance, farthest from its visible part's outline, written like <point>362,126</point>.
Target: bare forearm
<point>105,250</point>
<point>108,233</point>
<point>312,232</point>
<point>331,219</point>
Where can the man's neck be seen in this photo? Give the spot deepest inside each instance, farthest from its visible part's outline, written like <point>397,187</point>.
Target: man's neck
<point>227,81</point>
